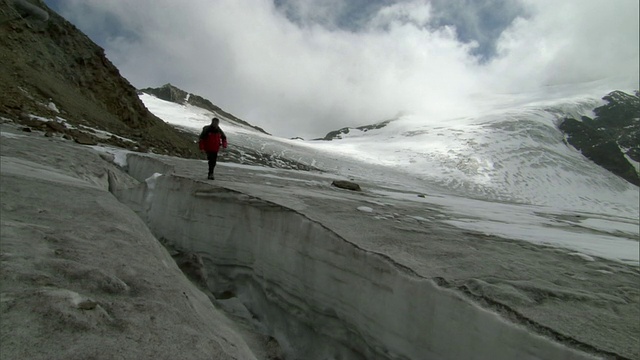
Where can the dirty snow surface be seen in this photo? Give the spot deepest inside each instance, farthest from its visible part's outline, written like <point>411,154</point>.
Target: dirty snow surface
<point>452,250</point>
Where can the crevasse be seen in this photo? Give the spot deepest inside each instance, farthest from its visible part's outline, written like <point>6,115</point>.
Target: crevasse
<point>319,295</point>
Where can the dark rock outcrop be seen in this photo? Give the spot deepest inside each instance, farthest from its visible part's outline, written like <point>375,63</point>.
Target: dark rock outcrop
<point>43,62</point>
<point>613,133</point>
<point>337,134</point>
<point>349,185</point>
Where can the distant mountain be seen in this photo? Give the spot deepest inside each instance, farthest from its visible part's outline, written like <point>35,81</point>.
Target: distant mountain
<point>612,137</point>
<point>339,134</point>
<point>171,93</point>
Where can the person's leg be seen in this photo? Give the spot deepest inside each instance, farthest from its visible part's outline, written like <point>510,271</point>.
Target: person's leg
<point>212,157</point>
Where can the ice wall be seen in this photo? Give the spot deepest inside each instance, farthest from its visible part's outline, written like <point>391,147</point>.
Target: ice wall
<point>319,295</point>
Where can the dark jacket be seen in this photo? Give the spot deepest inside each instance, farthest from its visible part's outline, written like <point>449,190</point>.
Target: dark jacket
<point>211,138</point>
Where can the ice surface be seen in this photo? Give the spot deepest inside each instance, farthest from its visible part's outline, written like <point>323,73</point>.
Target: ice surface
<point>119,155</point>
<point>505,172</point>
<point>81,274</point>
<point>599,235</point>
<point>445,262</point>
<point>10,135</point>
<point>297,274</point>
<point>291,251</point>
<point>27,168</point>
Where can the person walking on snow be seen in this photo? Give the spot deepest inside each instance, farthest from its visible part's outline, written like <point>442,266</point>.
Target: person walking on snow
<point>211,138</point>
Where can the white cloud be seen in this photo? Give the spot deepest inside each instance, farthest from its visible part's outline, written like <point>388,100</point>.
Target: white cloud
<point>309,12</point>
<point>249,58</point>
<point>417,13</point>
<point>570,41</point>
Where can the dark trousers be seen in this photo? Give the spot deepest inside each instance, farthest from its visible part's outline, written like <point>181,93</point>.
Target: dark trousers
<point>212,157</point>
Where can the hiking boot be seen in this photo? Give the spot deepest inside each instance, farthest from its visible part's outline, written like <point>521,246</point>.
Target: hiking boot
<point>210,177</point>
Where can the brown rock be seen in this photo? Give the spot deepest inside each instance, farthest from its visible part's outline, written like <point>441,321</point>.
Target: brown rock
<point>343,184</point>
<point>108,157</point>
<point>87,305</point>
<point>55,126</point>
<point>84,139</point>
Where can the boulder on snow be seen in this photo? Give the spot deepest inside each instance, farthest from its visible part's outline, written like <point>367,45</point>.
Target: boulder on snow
<point>344,184</point>
<point>84,138</point>
<point>55,126</point>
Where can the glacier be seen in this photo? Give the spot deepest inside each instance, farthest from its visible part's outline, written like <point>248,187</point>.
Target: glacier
<point>506,173</point>
<point>512,154</point>
<point>315,291</point>
<point>439,257</point>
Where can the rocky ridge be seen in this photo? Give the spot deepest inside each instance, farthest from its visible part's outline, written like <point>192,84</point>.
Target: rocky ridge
<point>612,137</point>
<point>337,134</point>
<point>50,70</point>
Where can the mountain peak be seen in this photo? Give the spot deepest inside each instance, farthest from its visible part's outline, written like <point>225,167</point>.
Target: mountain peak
<point>618,96</point>
<point>169,92</point>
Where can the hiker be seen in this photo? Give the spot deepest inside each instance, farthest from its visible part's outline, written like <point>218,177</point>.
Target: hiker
<point>210,140</point>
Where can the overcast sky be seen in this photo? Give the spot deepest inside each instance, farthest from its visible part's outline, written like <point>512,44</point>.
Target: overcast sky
<point>305,67</point>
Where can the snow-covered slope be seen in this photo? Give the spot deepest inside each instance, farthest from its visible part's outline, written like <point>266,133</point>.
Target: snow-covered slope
<point>514,154</point>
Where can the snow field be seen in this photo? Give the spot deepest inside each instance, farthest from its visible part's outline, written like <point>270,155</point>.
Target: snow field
<point>504,172</point>
<point>514,154</point>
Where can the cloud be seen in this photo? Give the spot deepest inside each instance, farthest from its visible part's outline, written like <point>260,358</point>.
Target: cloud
<point>309,12</point>
<point>481,22</point>
<point>299,68</point>
<point>569,42</point>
